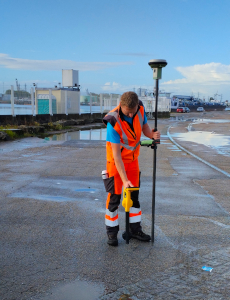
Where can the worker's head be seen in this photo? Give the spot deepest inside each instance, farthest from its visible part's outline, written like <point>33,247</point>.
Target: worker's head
<point>129,104</point>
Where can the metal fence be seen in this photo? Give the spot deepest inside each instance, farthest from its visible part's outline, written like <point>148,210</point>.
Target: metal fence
<point>16,102</point>
<point>66,101</point>
<point>163,105</point>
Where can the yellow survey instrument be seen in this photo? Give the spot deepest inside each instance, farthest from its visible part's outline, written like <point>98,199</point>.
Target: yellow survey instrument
<point>127,203</point>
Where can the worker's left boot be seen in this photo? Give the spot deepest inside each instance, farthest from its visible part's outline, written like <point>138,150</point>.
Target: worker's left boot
<point>137,233</point>
<point>140,235</point>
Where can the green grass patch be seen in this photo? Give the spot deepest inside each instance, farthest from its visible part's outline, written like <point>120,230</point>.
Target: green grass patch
<point>13,135</point>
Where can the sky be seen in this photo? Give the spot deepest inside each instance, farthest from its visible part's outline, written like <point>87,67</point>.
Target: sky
<point>111,43</point>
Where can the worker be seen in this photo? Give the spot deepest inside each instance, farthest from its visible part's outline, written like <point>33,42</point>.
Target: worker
<point>125,124</point>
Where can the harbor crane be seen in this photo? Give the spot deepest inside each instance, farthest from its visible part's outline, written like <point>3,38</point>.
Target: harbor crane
<point>17,85</point>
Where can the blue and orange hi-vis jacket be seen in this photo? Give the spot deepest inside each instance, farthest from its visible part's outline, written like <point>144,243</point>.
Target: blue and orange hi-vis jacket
<point>130,134</point>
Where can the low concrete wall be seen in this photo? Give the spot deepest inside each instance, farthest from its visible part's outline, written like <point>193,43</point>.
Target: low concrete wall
<point>163,114</point>
<point>41,119</point>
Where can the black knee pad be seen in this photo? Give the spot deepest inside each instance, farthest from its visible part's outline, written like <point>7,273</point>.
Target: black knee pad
<point>114,202</point>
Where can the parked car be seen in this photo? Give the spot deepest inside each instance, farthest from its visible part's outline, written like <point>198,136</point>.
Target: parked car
<point>200,108</point>
<point>180,109</point>
<point>187,110</point>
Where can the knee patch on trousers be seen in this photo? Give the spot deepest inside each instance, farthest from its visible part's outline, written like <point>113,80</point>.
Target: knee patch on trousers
<point>114,202</point>
<point>134,197</point>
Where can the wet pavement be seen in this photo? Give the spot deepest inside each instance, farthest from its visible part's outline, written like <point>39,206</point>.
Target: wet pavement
<point>53,241</point>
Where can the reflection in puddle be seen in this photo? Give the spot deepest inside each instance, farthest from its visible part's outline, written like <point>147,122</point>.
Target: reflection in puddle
<point>93,134</point>
<point>215,141</point>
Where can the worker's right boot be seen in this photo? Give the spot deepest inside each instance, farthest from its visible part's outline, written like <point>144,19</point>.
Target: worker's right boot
<point>112,239</point>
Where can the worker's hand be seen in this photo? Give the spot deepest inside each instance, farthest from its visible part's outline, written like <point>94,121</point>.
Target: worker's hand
<point>128,184</point>
<point>156,135</point>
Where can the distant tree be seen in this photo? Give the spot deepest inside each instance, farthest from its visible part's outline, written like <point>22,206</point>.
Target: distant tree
<point>211,98</point>
<point>19,94</point>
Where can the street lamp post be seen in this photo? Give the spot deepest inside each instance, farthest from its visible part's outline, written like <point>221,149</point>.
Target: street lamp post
<point>156,65</point>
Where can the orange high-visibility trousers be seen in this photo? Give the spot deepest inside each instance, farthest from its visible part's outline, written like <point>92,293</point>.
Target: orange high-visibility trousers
<point>114,196</point>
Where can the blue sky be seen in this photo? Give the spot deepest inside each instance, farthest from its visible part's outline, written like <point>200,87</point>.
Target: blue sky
<point>111,42</point>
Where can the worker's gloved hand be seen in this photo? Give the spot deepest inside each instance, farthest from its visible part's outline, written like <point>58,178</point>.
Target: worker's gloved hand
<point>156,135</point>
<point>128,184</point>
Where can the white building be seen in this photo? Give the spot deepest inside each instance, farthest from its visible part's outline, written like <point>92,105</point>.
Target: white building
<point>62,100</point>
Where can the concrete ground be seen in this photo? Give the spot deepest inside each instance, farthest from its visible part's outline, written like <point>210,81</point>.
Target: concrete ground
<point>52,205</point>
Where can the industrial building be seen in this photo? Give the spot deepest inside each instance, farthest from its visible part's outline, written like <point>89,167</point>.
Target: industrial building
<point>60,100</point>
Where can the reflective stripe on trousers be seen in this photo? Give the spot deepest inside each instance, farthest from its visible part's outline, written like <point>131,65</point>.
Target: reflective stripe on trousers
<point>134,215</point>
<point>111,218</point>
<point>113,200</point>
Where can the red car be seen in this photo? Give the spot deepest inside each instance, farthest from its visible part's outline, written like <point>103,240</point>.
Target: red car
<point>180,109</point>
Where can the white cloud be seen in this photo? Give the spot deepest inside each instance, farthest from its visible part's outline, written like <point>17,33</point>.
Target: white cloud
<point>206,79</point>
<point>54,65</point>
<point>114,87</point>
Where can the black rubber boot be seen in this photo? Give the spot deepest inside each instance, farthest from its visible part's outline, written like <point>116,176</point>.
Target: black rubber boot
<point>112,239</point>
<point>140,235</point>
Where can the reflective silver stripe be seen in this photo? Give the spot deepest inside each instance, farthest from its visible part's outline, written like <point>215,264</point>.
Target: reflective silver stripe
<point>111,214</point>
<point>140,118</point>
<point>135,219</point>
<point>112,223</point>
<point>134,210</point>
<point>130,147</point>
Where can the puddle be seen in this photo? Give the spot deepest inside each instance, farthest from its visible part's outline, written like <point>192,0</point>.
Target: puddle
<point>199,120</point>
<point>93,134</point>
<point>210,121</point>
<point>81,290</point>
<point>177,118</point>
<point>25,143</point>
<point>42,197</point>
<point>50,197</point>
<point>86,190</point>
<point>60,190</point>
<point>215,141</point>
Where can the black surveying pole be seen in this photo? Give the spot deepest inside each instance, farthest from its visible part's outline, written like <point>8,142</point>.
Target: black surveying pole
<point>154,166</point>
<point>156,65</point>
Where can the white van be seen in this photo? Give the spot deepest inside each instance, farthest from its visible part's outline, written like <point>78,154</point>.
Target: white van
<point>200,108</point>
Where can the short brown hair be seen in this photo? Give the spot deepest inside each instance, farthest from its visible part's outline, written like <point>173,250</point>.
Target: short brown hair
<point>129,99</point>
